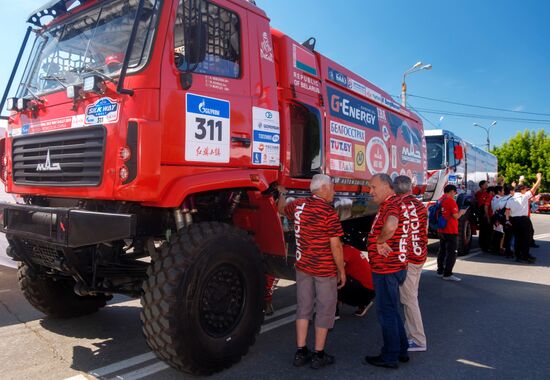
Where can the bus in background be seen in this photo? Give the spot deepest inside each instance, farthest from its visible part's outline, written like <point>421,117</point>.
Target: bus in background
<point>453,160</point>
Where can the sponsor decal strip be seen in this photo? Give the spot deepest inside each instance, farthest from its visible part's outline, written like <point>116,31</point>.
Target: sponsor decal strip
<point>361,89</point>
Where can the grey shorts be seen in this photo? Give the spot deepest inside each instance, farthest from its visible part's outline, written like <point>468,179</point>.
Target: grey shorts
<point>319,291</point>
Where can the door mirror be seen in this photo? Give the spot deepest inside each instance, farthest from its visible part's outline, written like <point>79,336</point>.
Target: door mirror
<point>458,152</point>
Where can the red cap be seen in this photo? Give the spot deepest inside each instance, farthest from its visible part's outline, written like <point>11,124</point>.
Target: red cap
<point>114,59</point>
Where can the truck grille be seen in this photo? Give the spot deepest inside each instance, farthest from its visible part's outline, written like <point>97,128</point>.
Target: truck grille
<point>64,158</point>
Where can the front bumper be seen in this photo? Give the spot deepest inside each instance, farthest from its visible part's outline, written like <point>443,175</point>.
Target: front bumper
<point>66,227</point>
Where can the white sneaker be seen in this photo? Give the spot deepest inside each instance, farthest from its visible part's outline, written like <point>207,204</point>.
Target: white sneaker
<point>452,278</point>
<point>415,347</point>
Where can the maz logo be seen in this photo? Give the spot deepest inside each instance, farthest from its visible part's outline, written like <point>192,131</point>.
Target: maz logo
<point>48,166</point>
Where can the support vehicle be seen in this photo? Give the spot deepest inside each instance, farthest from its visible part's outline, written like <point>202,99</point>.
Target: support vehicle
<point>145,143</point>
<point>453,160</point>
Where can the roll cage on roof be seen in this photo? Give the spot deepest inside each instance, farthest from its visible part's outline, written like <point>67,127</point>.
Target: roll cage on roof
<point>53,8</point>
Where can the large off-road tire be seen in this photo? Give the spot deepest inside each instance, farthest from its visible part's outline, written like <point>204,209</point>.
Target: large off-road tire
<point>203,298</point>
<point>56,298</point>
<point>464,234</point>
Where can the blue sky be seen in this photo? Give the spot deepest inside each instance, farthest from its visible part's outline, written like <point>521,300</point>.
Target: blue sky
<point>488,53</point>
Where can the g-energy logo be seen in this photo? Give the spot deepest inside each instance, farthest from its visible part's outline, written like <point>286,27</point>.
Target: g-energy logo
<point>352,109</point>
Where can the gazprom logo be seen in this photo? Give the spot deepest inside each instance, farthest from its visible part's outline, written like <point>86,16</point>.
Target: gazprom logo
<point>207,106</point>
<point>207,111</point>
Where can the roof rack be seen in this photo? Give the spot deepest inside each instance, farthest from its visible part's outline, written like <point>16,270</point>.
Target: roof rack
<point>54,8</point>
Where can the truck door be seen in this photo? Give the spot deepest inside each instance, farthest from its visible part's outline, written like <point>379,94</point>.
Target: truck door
<point>206,90</point>
<point>305,140</point>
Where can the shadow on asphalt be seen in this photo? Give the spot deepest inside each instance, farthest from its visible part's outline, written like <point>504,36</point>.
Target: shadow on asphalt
<point>472,329</point>
<point>540,253</point>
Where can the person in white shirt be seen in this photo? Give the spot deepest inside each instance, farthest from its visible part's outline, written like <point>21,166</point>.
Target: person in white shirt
<point>497,221</point>
<point>507,227</point>
<point>517,214</point>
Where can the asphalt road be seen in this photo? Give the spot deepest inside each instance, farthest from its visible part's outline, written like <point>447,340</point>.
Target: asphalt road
<point>492,325</point>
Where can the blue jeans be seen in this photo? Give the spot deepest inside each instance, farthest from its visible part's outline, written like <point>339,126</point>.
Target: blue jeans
<point>386,287</point>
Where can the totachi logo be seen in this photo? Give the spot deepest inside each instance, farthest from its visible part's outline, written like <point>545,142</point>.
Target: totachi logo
<point>48,166</point>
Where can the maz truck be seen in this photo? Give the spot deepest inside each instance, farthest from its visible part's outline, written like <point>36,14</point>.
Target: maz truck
<point>145,143</point>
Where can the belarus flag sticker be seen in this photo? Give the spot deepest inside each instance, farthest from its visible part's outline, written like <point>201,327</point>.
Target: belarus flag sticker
<point>304,60</point>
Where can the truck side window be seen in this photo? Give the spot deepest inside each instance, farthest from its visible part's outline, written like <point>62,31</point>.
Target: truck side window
<point>220,31</point>
<point>305,141</point>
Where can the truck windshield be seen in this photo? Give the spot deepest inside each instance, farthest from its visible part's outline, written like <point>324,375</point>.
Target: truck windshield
<point>435,149</point>
<point>93,41</point>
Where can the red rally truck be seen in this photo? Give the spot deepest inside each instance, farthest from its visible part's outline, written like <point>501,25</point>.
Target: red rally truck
<point>145,142</point>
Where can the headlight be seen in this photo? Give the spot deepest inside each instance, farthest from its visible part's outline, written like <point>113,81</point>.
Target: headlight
<point>11,104</point>
<point>93,83</point>
<point>22,104</point>
<point>73,91</point>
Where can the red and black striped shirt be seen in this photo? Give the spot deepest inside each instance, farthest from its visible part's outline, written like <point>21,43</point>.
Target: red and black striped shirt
<point>315,222</point>
<point>397,259</point>
<point>417,230</point>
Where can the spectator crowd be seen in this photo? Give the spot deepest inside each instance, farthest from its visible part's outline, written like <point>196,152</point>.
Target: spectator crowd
<point>329,273</point>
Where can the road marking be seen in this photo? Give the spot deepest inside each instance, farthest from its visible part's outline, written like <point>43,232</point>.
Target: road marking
<point>145,371</point>
<point>282,311</point>
<point>122,364</point>
<point>542,236</point>
<point>160,366</point>
<point>474,364</point>
<point>137,374</point>
<point>278,323</point>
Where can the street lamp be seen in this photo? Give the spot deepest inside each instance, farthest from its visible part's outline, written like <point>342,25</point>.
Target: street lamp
<point>487,131</point>
<point>417,67</point>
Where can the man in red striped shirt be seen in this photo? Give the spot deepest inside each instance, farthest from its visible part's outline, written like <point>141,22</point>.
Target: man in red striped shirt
<point>417,250</point>
<point>319,265</point>
<point>386,246</point>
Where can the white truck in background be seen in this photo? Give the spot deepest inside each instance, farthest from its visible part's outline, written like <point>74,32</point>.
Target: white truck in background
<point>452,160</point>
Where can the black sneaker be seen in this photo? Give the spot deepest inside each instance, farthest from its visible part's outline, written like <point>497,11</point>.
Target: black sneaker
<point>320,360</point>
<point>379,362</point>
<point>302,357</point>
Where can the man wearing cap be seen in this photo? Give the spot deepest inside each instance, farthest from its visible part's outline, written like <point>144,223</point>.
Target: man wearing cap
<point>517,215</point>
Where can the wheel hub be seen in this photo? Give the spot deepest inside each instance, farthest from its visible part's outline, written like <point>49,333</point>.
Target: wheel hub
<point>222,300</point>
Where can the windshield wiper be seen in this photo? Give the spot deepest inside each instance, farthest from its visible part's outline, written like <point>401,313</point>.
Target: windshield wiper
<point>59,80</point>
<point>96,71</point>
<point>33,95</point>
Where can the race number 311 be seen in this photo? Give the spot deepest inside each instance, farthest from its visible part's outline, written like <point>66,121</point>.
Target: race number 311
<point>207,130</point>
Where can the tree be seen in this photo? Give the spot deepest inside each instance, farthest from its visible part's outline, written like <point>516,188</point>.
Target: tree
<point>525,154</point>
